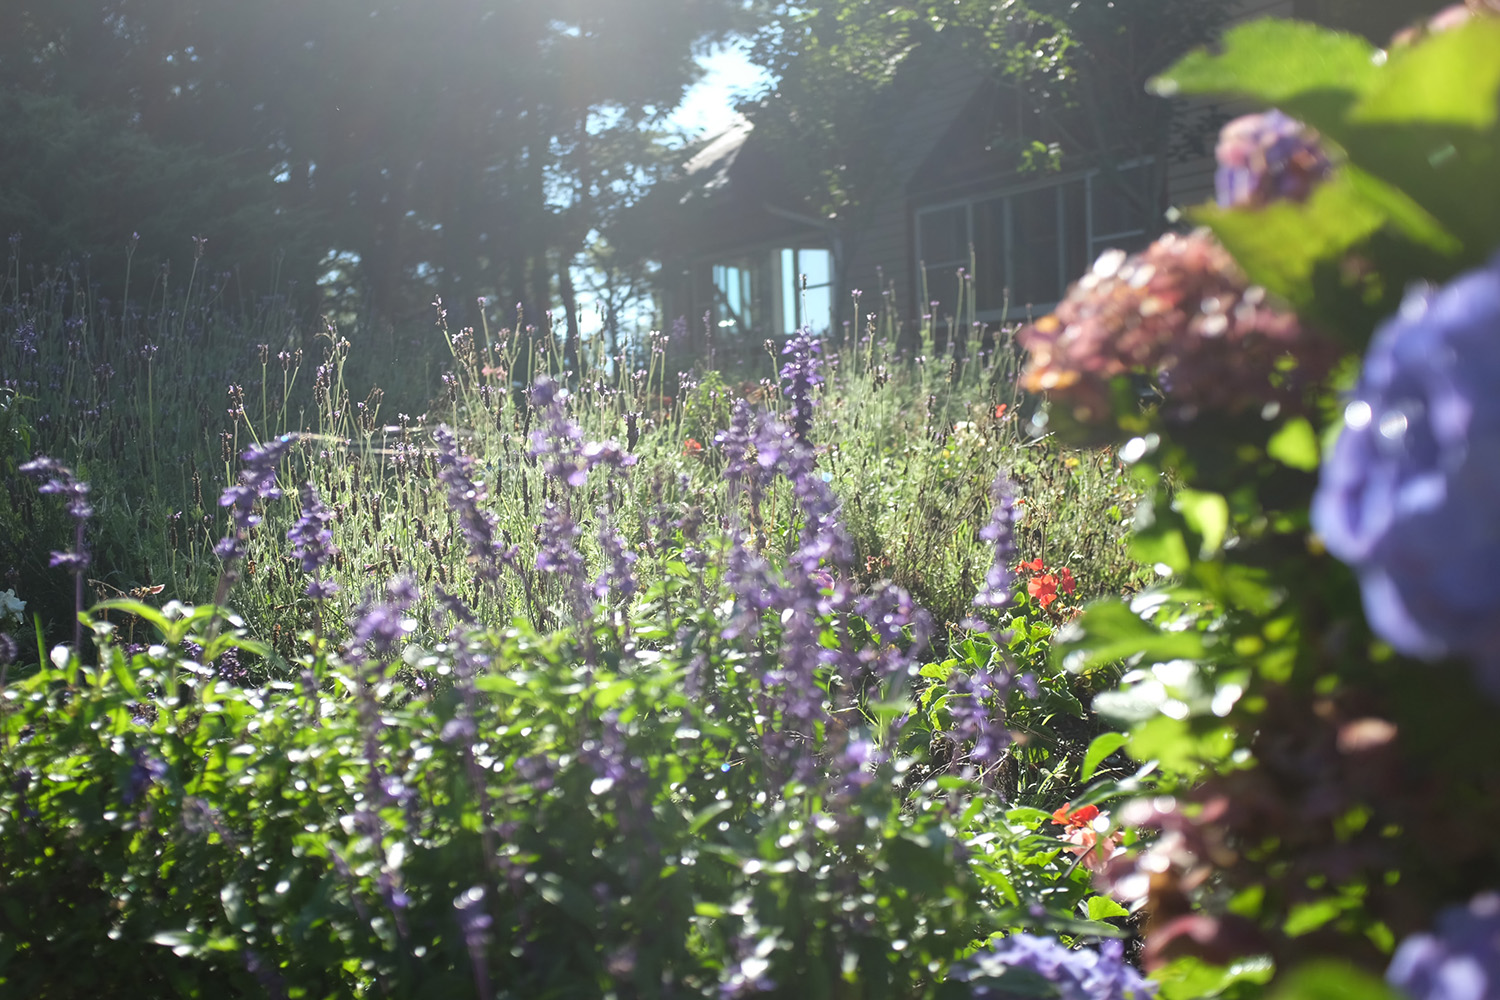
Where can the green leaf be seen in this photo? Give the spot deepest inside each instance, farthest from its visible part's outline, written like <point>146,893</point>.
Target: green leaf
<point>1275,61</point>
<point>1109,631</point>
<point>1103,745</point>
<point>1104,908</point>
<point>1207,514</point>
<point>1295,444</point>
<point>1282,245</point>
<point>1451,78</point>
<point>1332,980</point>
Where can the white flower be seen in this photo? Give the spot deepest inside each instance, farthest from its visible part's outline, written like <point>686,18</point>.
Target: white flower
<point>11,607</point>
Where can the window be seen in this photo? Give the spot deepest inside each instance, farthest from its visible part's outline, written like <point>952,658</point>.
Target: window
<point>737,294</point>
<point>778,291</point>
<point>1029,244</point>
<point>806,291</point>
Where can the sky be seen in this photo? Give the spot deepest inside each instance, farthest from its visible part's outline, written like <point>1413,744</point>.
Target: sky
<point>708,107</point>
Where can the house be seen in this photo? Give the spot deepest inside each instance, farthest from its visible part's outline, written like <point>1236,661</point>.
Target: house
<point>743,249</point>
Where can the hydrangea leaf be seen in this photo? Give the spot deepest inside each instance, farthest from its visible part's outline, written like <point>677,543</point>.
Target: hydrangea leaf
<point>1294,65</point>
<point>1282,245</point>
<point>1104,908</point>
<point>1450,78</point>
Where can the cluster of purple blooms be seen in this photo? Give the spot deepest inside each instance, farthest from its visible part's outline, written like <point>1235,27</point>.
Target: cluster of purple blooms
<point>800,376</point>
<point>1408,495</point>
<point>1268,157</point>
<point>1459,960</point>
<point>1000,579</point>
<point>312,543</point>
<point>1074,973</point>
<point>257,484</point>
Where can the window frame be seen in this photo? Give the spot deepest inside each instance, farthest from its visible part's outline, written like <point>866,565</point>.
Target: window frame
<point>1094,243</point>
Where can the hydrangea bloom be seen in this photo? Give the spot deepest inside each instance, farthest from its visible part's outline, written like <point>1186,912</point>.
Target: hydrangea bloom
<point>1460,960</point>
<point>1180,312</point>
<point>1076,973</point>
<point>1267,157</point>
<point>1408,495</point>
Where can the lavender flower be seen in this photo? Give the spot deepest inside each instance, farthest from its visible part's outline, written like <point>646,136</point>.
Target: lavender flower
<point>1267,157</point>
<point>619,568</point>
<point>800,376</point>
<point>59,480</point>
<point>1000,533</point>
<point>1075,973</point>
<point>380,623</point>
<point>465,494</point>
<point>973,702</point>
<point>312,543</point>
<point>257,484</point>
<point>9,649</point>
<point>1459,960</point>
<point>1408,495</point>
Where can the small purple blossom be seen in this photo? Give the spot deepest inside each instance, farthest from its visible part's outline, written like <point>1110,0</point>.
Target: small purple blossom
<point>974,702</point>
<point>1075,973</point>
<point>312,543</point>
<point>257,484</point>
<point>800,376</point>
<point>1407,497</point>
<point>465,495</point>
<point>60,481</point>
<point>1000,534</point>
<point>1268,157</point>
<point>1458,960</point>
<point>382,622</point>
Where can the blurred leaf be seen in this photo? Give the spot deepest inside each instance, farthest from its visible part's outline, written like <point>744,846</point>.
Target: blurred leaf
<point>1332,980</point>
<point>1272,60</point>
<point>1295,444</point>
<point>1108,632</point>
<point>1281,245</point>
<point>1207,514</point>
<point>1103,745</point>
<point>1104,908</point>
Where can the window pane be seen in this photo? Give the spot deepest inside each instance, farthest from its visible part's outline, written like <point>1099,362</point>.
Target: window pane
<point>943,235</point>
<point>1077,255</point>
<point>788,290</point>
<point>735,292</point>
<point>817,265</point>
<point>989,255</point>
<point>817,314</point>
<point>1035,240</point>
<point>1124,204</point>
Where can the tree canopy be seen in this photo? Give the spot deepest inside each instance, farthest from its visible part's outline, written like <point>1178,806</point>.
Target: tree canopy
<point>457,147</point>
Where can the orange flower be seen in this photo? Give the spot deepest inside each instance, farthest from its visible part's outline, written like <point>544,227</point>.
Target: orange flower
<point>1000,411</point>
<point>1068,583</point>
<point>692,447</point>
<point>1043,588</point>
<point>1034,566</point>
<point>1076,818</point>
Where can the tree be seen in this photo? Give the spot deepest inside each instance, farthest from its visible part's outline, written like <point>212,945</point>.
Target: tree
<point>450,147</point>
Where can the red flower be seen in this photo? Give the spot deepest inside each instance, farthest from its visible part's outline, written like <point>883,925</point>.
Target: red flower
<point>1076,818</point>
<point>1068,583</point>
<point>1034,566</point>
<point>692,447</point>
<point>1000,411</point>
<point>1043,588</point>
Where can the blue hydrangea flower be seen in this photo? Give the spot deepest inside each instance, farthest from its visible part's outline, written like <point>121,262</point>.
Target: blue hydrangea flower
<point>1267,157</point>
<point>1460,960</point>
<point>1409,496</point>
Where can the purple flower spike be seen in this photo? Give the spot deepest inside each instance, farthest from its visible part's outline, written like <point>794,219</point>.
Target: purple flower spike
<point>1000,533</point>
<point>1077,973</point>
<point>1267,157</point>
<point>1408,495</point>
<point>800,377</point>
<point>1460,960</point>
<point>257,483</point>
<point>312,543</point>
